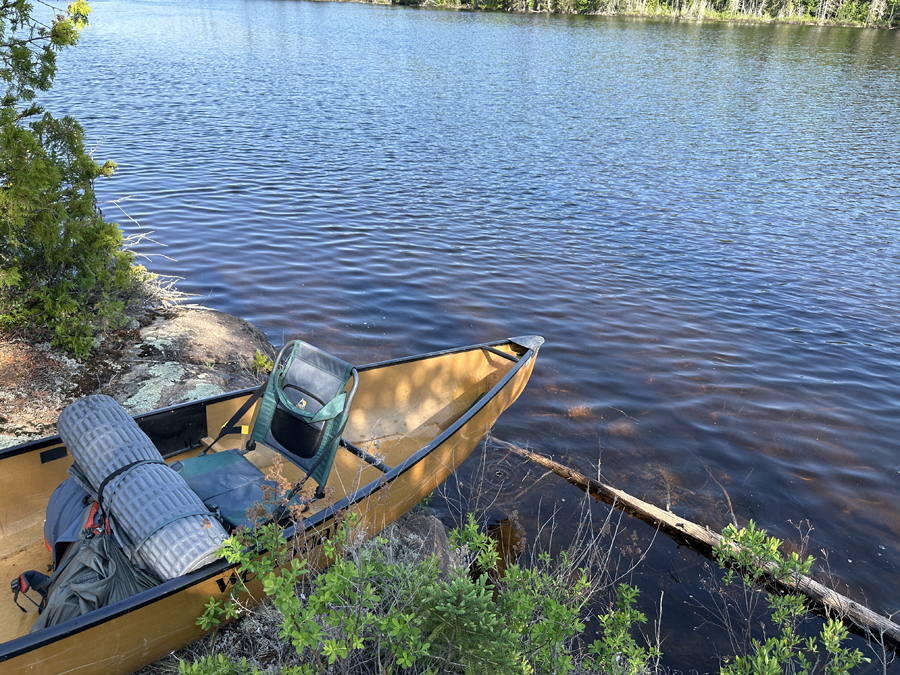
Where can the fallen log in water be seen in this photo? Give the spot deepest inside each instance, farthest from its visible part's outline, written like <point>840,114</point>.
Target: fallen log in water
<point>874,626</point>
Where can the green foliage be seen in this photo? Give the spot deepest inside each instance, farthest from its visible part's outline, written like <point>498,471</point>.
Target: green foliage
<point>616,651</point>
<point>544,610</point>
<point>857,12</point>
<point>215,612</point>
<point>217,664</point>
<point>262,364</point>
<point>750,557</point>
<point>369,613</point>
<point>465,629</point>
<point>757,555</point>
<point>62,266</point>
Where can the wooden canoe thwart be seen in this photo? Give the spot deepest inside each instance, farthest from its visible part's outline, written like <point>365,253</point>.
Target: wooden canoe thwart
<point>412,423</point>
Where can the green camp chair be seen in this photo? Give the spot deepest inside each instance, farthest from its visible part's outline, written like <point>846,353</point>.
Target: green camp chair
<point>305,408</point>
<point>302,414</point>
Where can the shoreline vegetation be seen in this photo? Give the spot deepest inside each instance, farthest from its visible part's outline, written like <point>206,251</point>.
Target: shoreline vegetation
<point>481,598</point>
<point>847,13</point>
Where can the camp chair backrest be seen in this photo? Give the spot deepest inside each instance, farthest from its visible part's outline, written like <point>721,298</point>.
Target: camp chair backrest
<point>305,407</point>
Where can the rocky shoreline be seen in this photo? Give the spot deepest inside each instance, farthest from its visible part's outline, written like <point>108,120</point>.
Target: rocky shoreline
<point>167,358</point>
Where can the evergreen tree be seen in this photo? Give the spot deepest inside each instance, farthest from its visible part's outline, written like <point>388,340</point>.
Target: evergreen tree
<point>62,266</point>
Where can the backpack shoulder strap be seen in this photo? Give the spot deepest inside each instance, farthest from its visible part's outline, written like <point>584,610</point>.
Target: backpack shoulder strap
<point>27,581</point>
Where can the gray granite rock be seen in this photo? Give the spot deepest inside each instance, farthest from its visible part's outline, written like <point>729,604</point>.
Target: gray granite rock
<point>418,534</point>
<point>204,338</point>
<point>190,355</point>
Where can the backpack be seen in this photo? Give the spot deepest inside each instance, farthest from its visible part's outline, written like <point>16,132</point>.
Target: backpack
<point>65,512</point>
<point>92,572</point>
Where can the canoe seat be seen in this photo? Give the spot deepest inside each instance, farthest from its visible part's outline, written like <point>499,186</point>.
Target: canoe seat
<point>230,486</point>
<point>305,408</point>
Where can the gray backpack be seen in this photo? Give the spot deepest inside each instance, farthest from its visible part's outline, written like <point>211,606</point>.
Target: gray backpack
<point>94,572</point>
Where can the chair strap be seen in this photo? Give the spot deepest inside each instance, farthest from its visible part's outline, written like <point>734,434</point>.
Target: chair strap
<point>124,469</point>
<point>230,427</point>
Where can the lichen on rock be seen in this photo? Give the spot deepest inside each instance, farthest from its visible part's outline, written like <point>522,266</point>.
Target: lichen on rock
<point>192,355</point>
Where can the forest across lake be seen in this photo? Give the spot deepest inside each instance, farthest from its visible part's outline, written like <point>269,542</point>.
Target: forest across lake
<point>884,13</point>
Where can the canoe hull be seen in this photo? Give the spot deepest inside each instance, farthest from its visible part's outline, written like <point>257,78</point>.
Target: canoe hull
<point>124,637</point>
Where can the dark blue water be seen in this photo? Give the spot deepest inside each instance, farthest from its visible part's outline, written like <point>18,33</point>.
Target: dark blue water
<point>701,218</point>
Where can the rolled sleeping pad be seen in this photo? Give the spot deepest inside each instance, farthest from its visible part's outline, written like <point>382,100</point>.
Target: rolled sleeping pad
<point>166,527</point>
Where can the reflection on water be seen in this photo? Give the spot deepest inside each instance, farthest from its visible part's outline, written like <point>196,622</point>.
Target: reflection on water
<point>701,219</point>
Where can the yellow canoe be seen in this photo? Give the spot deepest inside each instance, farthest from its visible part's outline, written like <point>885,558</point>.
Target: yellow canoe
<point>413,422</point>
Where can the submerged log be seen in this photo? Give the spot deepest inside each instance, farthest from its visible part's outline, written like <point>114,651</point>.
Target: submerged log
<point>872,625</point>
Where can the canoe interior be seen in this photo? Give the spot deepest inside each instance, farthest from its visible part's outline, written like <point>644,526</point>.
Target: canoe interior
<point>399,408</point>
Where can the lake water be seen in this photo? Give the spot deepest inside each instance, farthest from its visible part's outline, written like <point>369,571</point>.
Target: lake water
<point>702,219</point>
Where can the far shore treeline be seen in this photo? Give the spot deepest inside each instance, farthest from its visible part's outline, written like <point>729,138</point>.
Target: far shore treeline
<point>883,13</point>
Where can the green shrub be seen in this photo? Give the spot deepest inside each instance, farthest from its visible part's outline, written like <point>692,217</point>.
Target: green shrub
<point>750,558</point>
<point>262,364</point>
<point>371,612</point>
<point>616,651</point>
<point>368,613</point>
<point>217,664</point>
<point>62,267</point>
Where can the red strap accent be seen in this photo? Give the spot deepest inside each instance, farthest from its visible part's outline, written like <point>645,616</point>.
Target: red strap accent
<point>92,514</point>
<point>23,584</point>
<point>47,544</point>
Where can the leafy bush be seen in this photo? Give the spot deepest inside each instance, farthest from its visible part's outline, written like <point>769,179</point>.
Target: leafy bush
<point>217,664</point>
<point>616,651</point>
<point>262,364</point>
<point>367,613</point>
<point>750,558</point>
<point>62,266</point>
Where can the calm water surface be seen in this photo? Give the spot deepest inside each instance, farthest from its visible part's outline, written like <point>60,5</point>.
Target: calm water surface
<point>702,220</point>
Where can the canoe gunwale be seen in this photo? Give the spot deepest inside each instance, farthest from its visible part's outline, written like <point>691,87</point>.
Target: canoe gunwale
<point>49,441</point>
<point>46,636</point>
